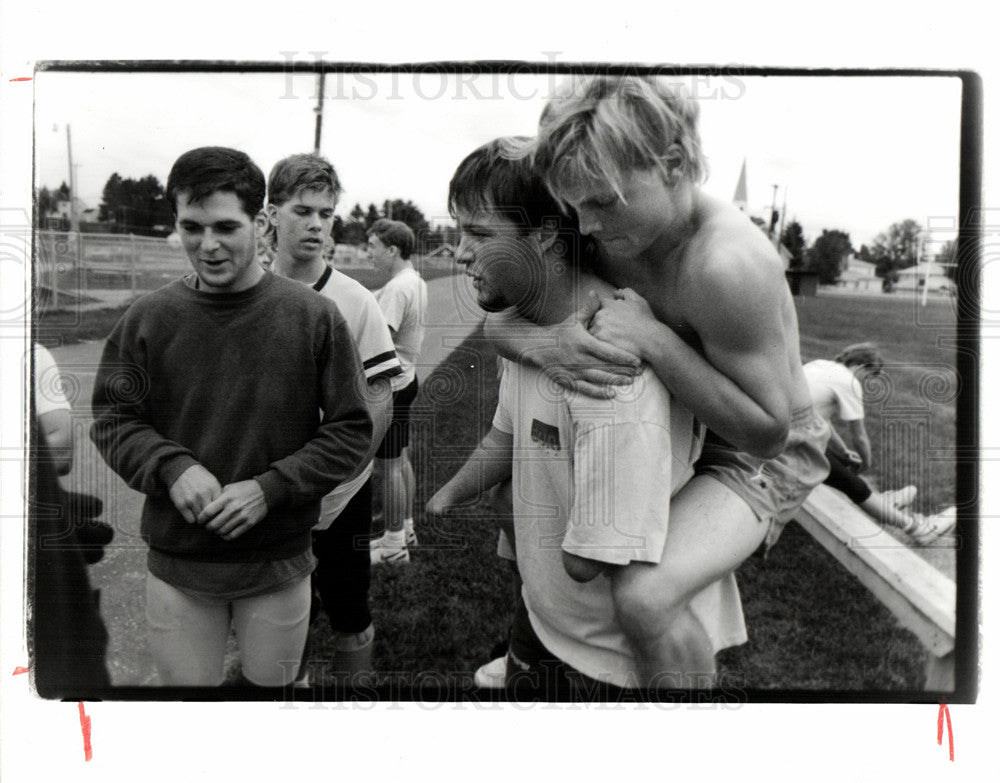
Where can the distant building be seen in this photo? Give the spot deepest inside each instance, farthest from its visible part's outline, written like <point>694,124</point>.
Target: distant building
<point>933,276</point>
<point>858,275</point>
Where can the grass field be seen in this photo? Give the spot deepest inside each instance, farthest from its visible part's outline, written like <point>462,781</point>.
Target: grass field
<point>70,324</point>
<point>812,626</point>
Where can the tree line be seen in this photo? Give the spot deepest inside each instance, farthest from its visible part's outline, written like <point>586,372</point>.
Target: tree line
<point>140,206</point>
<point>894,249</point>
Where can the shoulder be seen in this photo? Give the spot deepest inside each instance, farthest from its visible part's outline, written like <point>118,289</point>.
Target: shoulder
<point>341,287</point>
<point>171,297</point>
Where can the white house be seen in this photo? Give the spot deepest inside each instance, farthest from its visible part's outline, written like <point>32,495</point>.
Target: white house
<point>858,275</point>
<point>937,281</point>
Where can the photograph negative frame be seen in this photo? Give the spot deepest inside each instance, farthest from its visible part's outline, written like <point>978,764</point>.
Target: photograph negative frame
<point>947,378</point>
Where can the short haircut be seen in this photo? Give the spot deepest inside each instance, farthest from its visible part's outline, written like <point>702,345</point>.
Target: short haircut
<point>598,128</point>
<point>866,355</point>
<point>499,177</point>
<point>304,171</point>
<point>206,170</point>
<point>394,232</point>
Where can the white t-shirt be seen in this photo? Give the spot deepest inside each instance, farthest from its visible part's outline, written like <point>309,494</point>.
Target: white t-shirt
<point>835,390</point>
<point>378,356</point>
<point>404,304</point>
<point>593,477</point>
<point>49,394</point>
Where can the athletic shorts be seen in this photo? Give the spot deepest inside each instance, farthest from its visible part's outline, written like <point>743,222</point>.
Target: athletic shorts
<point>397,437</point>
<point>774,488</point>
<point>851,484</point>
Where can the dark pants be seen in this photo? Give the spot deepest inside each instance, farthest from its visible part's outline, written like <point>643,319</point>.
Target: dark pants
<point>855,487</point>
<point>343,570</point>
<point>535,673</point>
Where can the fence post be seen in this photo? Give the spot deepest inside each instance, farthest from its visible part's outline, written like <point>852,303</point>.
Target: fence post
<point>134,254</point>
<point>83,287</point>
<point>54,276</point>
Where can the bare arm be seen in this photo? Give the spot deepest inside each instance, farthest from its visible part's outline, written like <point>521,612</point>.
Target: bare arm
<point>489,464</point>
<point>57,427</point>
<point>566,352</point>
<point>859,436</point>
<point>741,388</point>
<point>379,399</point>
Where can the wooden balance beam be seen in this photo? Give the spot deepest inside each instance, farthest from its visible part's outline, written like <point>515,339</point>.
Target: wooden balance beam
<point>921,597</point>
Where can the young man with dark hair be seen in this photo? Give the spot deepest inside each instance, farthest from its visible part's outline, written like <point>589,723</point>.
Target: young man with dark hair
<point>592,479</point>
<point>233,400</point>
<point>702,299</point>
<point>302,192</point>
<point>403,300</point>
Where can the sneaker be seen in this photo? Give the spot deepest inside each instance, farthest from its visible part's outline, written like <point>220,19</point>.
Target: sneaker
<point>381,554</point>
<point>411,537</point>
<point>927,530</point>
<point>901,498</point>
<point>492,674</point>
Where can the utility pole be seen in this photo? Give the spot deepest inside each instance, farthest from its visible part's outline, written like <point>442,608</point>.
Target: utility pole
<point>74,220</point>
<point>770,218</point>
<point>784,211</point>
<point>319,111</point>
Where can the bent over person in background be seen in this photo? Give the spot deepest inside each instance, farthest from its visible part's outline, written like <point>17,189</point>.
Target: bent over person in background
<point>233,400</point>
<point>701,299</point>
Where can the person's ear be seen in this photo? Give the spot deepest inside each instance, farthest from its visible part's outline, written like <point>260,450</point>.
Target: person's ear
<point>674,164</point>
<point>272,214</point>
<point>547,235</point>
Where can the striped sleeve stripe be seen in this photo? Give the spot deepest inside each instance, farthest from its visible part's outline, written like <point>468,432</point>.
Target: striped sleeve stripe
<point>383,372</point>
<point>382,358</point>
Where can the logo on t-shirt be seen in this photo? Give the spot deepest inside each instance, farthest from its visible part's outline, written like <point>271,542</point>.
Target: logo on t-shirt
<point>545,435</point>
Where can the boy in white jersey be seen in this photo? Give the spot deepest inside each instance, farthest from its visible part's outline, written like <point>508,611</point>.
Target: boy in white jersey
<point>302,194</point>
<point>403,300</point>
<point>837,392</point>
<point>592,478</point>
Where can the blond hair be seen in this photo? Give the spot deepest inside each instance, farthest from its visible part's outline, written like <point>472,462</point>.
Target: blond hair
<point>599,128</point>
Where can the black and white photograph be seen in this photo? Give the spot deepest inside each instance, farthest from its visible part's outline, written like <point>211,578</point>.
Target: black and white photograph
<point>499,385</point>
<point>628,322</point>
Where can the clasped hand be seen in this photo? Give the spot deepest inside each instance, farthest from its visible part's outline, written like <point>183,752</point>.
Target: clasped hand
<point>585,361</point>
<point>229,511</point>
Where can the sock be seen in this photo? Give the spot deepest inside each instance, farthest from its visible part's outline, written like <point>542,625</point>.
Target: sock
<point>351,642</point>
<point>394,539</point>
<point>408,525</point>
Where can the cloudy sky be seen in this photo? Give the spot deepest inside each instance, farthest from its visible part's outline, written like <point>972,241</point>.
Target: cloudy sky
<point>854,153</point>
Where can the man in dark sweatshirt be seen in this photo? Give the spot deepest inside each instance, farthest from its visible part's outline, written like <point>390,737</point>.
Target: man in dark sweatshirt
<point>233,399</point>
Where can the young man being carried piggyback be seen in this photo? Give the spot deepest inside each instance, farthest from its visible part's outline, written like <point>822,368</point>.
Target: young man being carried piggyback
<point>701,299</point>
<point>592,479</point>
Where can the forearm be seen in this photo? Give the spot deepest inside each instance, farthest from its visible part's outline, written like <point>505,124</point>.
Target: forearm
<point>490,464</point>
<point>859,436</point>
<point>340,446</point>
<point>57,428</point>
<point>518,339</point>
<point>714,398</point>
<point>836,444</point>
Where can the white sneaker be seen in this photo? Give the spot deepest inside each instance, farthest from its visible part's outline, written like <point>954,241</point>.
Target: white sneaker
<point>901,498</point>
<point>382,554</point>
<point>492,674</point>
<point>411,537</point>
<point>927,530</point>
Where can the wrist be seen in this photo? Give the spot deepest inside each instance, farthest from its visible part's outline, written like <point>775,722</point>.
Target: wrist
<point>654,341</point>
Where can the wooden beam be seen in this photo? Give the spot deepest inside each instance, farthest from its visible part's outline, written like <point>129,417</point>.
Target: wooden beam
<point>920,596</point>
